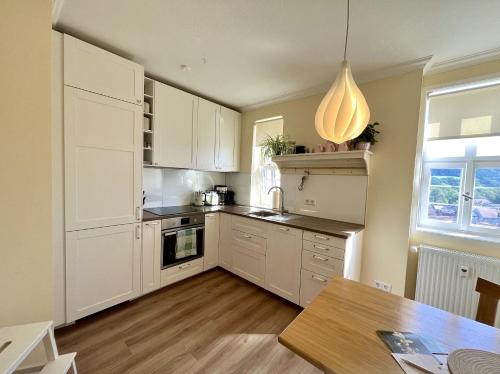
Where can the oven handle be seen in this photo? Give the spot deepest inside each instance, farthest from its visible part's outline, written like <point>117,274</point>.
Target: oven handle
<point>175,231</point>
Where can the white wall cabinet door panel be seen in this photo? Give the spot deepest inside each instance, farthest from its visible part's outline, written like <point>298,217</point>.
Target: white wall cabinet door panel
<point>211,255</point>
<point>151,256</point>
<point>102,268</point>
<point>208,117</point>
<point>96,70</point>
<point>228,140</point>
<point>103,160</point>
<point>283,262</point>
<point>175,126</point>
<point>225,246</point>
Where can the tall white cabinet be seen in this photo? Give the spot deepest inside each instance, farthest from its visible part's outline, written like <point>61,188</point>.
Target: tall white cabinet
<point>103,97</point>
<point>228,140</point>
<point>151,256</point>
<point>208,117</point>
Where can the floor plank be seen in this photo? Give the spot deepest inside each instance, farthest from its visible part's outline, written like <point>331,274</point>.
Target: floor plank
<point>212,323</point>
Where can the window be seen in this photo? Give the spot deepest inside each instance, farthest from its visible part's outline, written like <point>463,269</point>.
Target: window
<point>460,179</point>
<point>265,173</point>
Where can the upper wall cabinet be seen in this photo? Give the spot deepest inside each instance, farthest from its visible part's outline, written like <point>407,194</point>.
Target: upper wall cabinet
<point>96,70</point>
<point>103,160</point>
<point>175,127</point>
<point>208,117</point>
<point>228,140</point>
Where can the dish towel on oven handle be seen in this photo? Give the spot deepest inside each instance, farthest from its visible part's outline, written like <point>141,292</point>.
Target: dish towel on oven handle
<point>186,244</point>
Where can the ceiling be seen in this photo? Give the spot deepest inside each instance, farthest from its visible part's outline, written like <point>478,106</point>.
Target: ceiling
<point>246,52</point>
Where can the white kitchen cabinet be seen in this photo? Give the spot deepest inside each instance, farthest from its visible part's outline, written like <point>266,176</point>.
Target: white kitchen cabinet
<point>103,160</point>
<point>151,256</point>
<point>103,268</point>
<point>228,140</point>
<point>225,242</point>
<point>96,70</point>
<point>311,284</point>
<point>175,126</point>
<point>283,262</point>
<point>208,117</point>
<point>211,255</point>
<point>321,264</point>
<point>179,272</point>
<point>249,257</point>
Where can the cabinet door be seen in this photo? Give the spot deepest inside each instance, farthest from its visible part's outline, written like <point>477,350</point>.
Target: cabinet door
<point>151,256</point>
<point>102,268</point>
<point>283,262</point>
<point>311,284</point>
<point>175,135</point>
<point>211,255</point>
<point>103,160</point>
<point>96,70</point>
<point>228,140</point>
<point>225,248</point>
<point>208,115</point>
<point>249,265</point>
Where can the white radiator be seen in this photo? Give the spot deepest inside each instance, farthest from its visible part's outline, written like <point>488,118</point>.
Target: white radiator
<point>446,279</point>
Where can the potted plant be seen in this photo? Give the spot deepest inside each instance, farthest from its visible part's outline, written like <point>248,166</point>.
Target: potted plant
<point>367,137</point>
<point>277,146</point>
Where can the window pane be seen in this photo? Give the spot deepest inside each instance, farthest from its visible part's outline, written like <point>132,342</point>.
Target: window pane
<point>445,148</point>
<point>488,146</point>
<point>444,192</point>
<point>486,203</point>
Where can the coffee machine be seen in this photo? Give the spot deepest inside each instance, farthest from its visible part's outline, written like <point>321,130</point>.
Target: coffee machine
<point>222,191</point>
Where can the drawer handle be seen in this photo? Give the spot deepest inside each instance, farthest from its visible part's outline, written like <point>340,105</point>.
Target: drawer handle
<point>284,229</point>
<point>246,236</point>
<point>209,215</point>
<point>315,277</point>
<point>321,247</point>
<point>320,258</point>
<point>151,223</point>
<point>321,237</point>
<point>184,266</point>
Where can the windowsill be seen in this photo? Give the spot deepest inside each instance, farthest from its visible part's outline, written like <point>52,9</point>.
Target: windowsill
<point>473,237</point>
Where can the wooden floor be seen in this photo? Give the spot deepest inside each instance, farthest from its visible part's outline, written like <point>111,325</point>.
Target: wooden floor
<point>212,323</point>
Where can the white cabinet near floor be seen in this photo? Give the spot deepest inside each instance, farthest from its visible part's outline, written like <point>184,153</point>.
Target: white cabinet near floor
<point>283,262</point>
<point>211,255</point>
<point>96,70</point>
<point>175,126</point>
<point>225,245</point>
<point>151,256</point>
<point>103,268</point>
<point>103,160</point>
<point>208,117</point>
<point>228,140</point>
<point>249,257</point>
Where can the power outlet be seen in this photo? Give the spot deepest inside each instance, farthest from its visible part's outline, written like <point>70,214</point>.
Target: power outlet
<point>383,286</point>
<point>310,202</point>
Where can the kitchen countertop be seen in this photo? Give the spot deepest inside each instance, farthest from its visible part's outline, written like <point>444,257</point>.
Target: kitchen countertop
<point>320,225</point>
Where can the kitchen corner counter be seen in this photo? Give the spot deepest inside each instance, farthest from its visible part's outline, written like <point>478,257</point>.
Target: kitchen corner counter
<point>319,225</point>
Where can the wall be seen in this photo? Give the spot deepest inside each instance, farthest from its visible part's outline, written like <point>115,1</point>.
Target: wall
<point>25,162</point>
<point>394,102</point>
<point>174,187</point>
<point>470,73</point>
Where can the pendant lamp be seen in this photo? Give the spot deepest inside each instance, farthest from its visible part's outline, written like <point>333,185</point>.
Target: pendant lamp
<point>343,113</point>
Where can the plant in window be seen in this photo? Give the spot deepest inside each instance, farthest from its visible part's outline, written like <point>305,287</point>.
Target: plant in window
<point>367,137</point>
<point>277,146</point>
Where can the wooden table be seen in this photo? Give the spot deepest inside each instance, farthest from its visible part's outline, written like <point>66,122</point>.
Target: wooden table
<point>337,331</point>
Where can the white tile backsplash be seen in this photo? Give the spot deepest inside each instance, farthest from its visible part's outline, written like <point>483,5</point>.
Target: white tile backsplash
<point>240,184</point>
<point>172,187</point>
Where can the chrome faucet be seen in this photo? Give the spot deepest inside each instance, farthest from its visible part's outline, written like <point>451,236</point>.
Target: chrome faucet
<point>282,205</point>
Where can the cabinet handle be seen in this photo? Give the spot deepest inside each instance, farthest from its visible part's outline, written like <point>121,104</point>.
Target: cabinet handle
<point>209,215</point>
<point>139,101</point>
<point>320,258</point>
<point>321,237</point>
<point>315,277</point>
<point>246,236</point>
<point>138,232</point>
<point>152,223</point>
<point>138,213</point>
<point>321,247</point>
<point>284,229</point>
<point>184,266</point>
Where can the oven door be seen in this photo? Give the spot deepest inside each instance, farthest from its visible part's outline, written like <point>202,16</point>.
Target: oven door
<point>169,246</point>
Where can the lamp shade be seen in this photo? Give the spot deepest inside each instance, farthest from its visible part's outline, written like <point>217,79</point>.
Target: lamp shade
<point>343,113</point>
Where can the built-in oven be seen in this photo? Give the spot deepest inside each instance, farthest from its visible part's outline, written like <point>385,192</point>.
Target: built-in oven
<point>182,239</point>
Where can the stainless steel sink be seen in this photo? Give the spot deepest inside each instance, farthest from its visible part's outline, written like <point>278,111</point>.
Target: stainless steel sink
<point>263,213</point>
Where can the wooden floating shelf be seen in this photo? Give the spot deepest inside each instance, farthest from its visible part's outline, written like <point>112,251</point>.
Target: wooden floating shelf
<point>349,162</point>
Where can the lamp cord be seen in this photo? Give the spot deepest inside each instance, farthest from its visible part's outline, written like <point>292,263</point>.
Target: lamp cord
<point>346,31</point>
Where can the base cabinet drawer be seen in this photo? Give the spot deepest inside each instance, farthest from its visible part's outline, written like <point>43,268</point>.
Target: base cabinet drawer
<point>311,284</point>
<point>180,272</point>
<point>249,226</point>
<point>324,239</point>
<point>250,265</point>
<point>323,249</point>
<point>321,264</point>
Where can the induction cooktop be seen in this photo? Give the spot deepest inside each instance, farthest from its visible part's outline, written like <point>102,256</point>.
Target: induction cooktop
<point>174,210</point>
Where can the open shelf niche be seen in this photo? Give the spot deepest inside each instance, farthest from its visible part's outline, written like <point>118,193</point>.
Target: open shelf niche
<point>148,122</point>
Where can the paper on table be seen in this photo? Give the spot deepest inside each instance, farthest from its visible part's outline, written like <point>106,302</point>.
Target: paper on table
<point>427,363</point>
